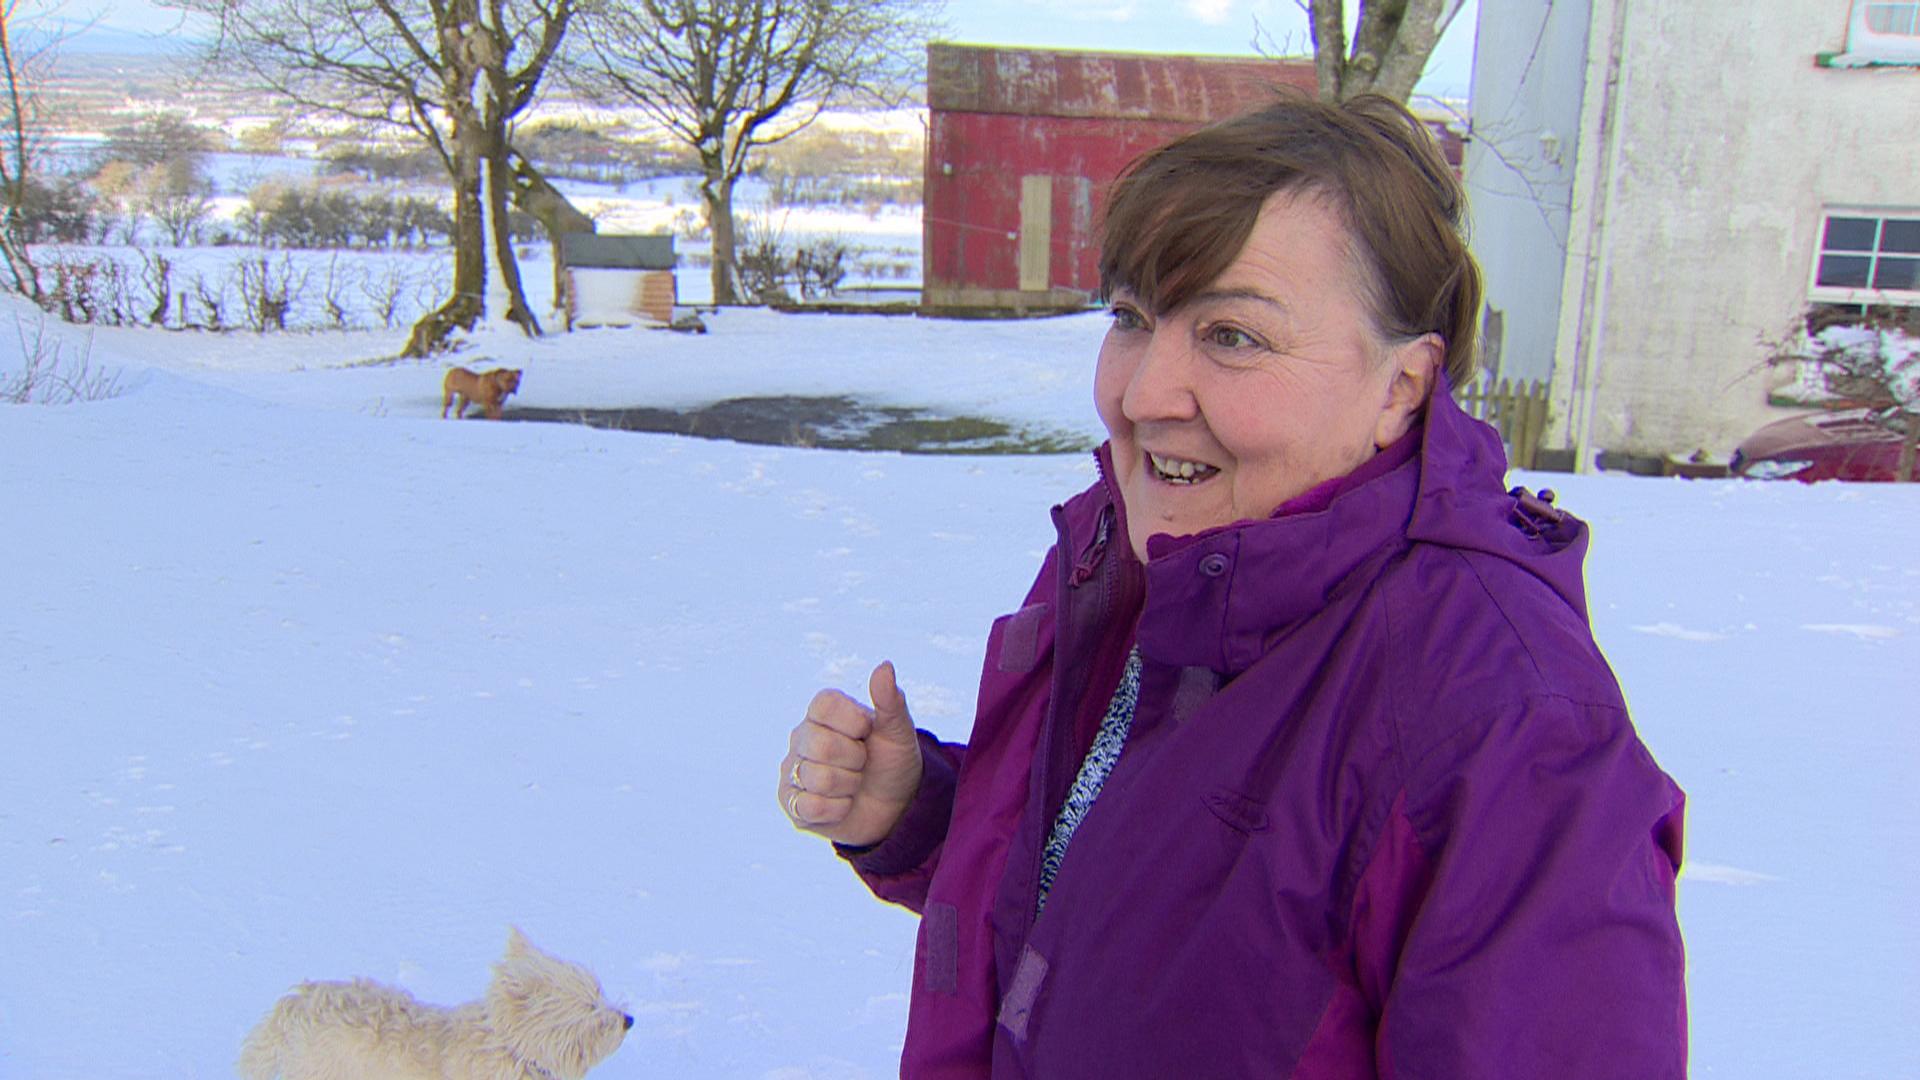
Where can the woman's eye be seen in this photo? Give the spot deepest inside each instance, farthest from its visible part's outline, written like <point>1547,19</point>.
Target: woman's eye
<point>1229,337</point>
<point>1125,318</point>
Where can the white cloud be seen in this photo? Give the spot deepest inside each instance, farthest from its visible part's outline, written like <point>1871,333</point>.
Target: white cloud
<point>1098,11</point>
<point>1211,12</point>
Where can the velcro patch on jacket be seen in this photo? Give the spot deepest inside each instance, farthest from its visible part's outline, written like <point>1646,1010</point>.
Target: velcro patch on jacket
<point>1016,1009</point>
<point>1019,639</point>
<point>940,926</point>
<point>1196,686</point>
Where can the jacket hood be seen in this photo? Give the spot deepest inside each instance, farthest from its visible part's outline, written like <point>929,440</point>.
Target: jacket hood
<point>1216,598</point>
<point>1463,503</point>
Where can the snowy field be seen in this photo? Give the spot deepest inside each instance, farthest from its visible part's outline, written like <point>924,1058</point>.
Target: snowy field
<point>881,242</point>
<point>299,681</point>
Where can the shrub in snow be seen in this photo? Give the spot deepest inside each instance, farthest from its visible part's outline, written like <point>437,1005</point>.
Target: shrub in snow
<point>48,375</point>
<point>62,211</point>
<point>1860,358</point>
<point>312,216</point>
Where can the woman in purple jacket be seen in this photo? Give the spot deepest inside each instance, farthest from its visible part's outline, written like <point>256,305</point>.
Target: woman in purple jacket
<point>1300,759</point>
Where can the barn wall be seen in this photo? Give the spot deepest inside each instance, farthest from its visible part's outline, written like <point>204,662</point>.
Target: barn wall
<point>1056,127</point>
<point>973,212</point>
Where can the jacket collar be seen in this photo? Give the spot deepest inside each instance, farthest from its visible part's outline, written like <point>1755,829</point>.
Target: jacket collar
<point>1217,598</point>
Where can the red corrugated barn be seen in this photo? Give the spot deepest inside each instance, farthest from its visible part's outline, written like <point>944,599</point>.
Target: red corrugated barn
<point>1021,145</point>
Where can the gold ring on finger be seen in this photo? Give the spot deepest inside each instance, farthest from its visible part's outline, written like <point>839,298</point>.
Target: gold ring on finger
<point>794,776</point>
<point>792,810</point>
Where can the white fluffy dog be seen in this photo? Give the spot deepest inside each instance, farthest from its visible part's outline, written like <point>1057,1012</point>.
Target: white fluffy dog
<point>542,1019</point>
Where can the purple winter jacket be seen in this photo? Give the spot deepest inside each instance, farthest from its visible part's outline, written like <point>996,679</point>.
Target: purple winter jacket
<point>1381,812</point>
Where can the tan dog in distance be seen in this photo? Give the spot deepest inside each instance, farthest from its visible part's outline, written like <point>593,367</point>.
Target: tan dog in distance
<point>541,1019</point>
<point>487,389</point>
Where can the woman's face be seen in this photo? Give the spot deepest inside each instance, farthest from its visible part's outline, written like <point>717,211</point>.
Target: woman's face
<point>1262,385</point>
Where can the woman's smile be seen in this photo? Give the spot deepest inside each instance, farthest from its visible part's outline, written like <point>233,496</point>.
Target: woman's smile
<point>1180,472</point>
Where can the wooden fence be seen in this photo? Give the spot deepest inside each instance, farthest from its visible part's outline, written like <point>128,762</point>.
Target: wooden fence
<point>1518,410</point>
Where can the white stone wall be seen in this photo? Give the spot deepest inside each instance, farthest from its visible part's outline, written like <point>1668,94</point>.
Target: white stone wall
<point>1702,214</point>
<point>1529,77</point>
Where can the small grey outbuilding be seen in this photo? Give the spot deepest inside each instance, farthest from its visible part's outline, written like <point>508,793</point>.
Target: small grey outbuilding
<point>616,280</point>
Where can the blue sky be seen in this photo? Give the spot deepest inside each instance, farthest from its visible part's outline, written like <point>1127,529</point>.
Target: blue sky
<point>1179,26</point>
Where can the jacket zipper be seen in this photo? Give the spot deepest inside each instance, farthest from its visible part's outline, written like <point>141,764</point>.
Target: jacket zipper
<point>1090,560</point>
<point>1070,577</point>
<point>1079,574</point>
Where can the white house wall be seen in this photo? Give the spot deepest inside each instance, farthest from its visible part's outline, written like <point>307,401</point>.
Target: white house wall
<point>1705,209</point>
<point>1528,80</point>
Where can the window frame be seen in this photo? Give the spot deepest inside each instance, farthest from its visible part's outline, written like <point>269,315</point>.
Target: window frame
<point>1866,294</point>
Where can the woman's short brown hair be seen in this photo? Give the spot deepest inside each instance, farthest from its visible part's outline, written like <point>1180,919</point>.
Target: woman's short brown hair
<point>1179,215</point>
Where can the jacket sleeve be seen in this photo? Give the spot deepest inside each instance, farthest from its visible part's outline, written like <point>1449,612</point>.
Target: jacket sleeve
<point>899,868</point>
<point>1517,919</point>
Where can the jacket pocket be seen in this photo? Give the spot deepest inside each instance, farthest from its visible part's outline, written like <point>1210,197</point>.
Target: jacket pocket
<point>1242,814</point>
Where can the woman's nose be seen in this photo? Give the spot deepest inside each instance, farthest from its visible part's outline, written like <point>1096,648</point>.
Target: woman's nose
<point>1161,386</point>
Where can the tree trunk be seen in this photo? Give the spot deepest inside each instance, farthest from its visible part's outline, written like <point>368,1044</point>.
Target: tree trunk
<point>469,300</point>
<point>1909,450</point>
<point>717,190</point>
<point>24,275</point>
<point>1329,46</point>
<point>499,182</point>
<point>533,194</point>
<point>17,168</point>
<point>464,49</point>
<point>1374,37</point>
<point>1405,59</point>
<point>1388,53</point>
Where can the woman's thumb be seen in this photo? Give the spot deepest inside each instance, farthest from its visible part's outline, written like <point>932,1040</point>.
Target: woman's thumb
<point>890,717</point>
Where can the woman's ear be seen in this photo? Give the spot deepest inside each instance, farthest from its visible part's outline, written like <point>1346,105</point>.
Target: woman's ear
<point>1414,365</point>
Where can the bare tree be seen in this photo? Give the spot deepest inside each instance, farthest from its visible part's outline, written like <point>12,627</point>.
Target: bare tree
<point>182,215</point>
<point>455,72</point>
<point>725,77</point>
<point>24,66</point>
<point>1392,40</point>
<point>166,142</point>
<point>157,166</point>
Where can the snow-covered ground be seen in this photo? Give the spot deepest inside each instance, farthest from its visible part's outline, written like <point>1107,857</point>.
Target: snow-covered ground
<point>299,681</point>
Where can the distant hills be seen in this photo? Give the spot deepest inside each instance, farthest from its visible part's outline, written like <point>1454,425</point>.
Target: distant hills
<point>80,38</point>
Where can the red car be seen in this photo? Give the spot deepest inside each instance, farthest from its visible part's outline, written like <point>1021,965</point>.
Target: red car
<point>1849,444</point>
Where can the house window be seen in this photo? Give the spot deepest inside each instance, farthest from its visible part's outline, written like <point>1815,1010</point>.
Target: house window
<point>1868,257</point>
<point>1895,18</point>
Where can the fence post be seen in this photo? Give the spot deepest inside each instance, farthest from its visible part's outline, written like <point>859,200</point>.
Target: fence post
<point>1540,416</point>
<point>1515,408</point>
<point>1533,423</point>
